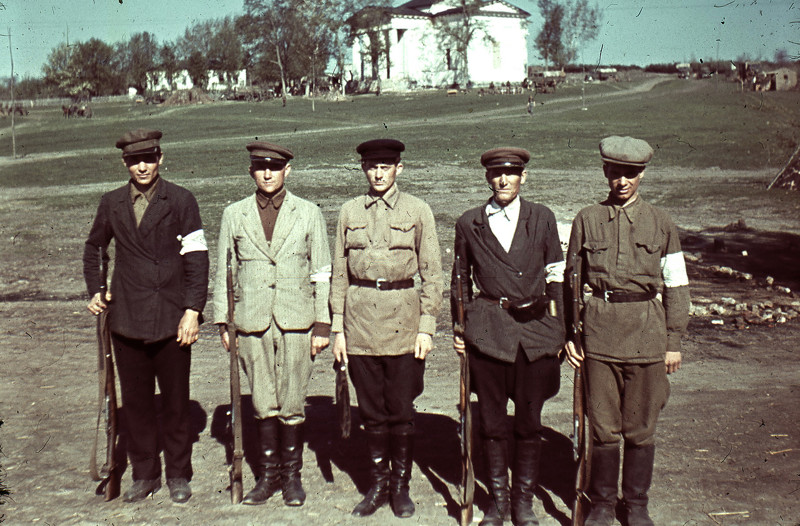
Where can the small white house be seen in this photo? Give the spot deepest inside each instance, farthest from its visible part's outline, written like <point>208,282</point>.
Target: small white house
<point>157,81</point>
<point>417,44</point>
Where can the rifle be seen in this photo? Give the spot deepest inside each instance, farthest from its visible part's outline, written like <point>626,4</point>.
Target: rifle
<point>235,470</point>
<point>581,447</point>
<point>111,473</point>
<point>465,411</point>
<point>342,398</point>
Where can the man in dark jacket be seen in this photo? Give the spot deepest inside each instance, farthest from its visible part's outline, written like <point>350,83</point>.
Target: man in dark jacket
<point>159,290</point>
<point>509,248</point>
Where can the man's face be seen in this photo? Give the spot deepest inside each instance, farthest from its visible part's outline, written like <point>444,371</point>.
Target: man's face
<point>143,168</point>
<point>269,175</point>
<point>505,182</point>
<point>623,180</point>
<point>381,174</point>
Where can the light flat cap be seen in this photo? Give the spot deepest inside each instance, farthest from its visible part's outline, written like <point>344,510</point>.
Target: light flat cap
<point>505,156</point>
<point>384,149</point>
<point>137,142</point>
<point>266,151</point>
<point>625,150</point>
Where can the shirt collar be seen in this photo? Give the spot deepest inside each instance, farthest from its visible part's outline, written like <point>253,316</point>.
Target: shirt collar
<point>629,209</point>
<point>390,197</point>
<point>148,193</point>
<point>276,199</point>
<point>509,210</point>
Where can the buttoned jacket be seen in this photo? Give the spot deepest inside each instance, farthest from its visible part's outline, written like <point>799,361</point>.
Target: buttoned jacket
<point>153,281</point>
<point>287,279</point>
<point>519,274</point>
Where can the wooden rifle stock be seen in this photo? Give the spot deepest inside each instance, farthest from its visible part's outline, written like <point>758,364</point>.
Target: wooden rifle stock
<point>465,410</point>
<point>111,472</point>
<point>235,470</point>
<point>580,445</point>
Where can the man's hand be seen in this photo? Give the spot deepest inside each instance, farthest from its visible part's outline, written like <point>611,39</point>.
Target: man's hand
<point>223,336</point>
<point>188,328</point>
<point>458,344</point>
<point>340,347</point>
<point>673,362</point>
<point>423,345</point>
<point>318,344</point>
<point>97,304</point>
<point>574,356</point>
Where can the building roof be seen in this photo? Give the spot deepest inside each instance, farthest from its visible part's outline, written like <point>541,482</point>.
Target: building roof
<point>416,7</point>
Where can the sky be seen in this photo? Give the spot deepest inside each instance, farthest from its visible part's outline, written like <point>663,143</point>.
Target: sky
<point>636,32</point>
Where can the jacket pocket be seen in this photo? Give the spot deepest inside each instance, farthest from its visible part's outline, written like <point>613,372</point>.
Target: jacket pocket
<point>597,255</point>
<point>402,235</point>
<point>355,236</point>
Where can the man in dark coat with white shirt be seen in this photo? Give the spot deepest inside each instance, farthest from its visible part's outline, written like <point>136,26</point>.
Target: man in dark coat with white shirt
<point>510,250</point>
<point>159,290</point>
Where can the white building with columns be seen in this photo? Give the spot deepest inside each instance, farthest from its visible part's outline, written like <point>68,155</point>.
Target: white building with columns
<point>416,44</point>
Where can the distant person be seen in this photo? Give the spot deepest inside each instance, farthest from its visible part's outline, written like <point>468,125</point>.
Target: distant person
<point>531,104</point>
<point>628,253</point>
<point>159,291</point>
<point>383,325</point>
<point>509,249</point>
<point>281,267</point>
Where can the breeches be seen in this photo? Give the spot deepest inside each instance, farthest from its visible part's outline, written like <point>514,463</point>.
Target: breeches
<point>527,383</point>
<point>624,400</point>
<point>278,366</point>
<point>386,387</point>
<point>140,365</point>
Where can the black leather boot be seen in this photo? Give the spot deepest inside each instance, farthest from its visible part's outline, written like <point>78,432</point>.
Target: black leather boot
<point>497,462</point>
<point>525,476</point>
<point>291,464</point>
<point>603,485</point>
<point>402,461</point>
<point>378,494</point>
<point>267,464</point>
<point>637,473</point>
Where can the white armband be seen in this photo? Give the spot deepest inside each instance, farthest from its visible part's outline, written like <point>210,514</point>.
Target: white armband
<point>194,242</point>
<point>555,272</point>
<point>322,274</point>
<point>673,270</point>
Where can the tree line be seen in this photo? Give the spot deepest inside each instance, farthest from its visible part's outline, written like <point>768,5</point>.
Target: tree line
<point>279,42</point>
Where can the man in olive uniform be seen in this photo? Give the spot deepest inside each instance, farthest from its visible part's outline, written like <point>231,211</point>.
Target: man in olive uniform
<point>159,290</point>
<point>383,326</point>
<point>628,252</point>
<point>281,268</point>
<point>509,248</point>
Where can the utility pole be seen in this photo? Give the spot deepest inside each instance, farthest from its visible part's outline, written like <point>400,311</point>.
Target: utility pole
<point>13,103</point>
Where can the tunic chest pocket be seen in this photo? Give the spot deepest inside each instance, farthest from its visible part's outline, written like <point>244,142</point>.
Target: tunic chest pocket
<point>648,258</point>
<point>597,255</point>
<point>355,236</point>
<point>402,236</point>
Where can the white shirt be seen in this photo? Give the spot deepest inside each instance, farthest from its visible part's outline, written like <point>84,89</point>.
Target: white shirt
<point>503,221</point>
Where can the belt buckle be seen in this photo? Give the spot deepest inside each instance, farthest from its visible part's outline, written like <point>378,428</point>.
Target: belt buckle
<point>607,295</point>
<point>379,282</point>
<point>502,302</point>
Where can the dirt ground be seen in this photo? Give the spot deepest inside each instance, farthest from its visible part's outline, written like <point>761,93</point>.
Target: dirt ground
<point>728,449</point>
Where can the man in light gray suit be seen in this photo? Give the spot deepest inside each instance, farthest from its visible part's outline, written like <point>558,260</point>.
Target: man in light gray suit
<point>281,268</point>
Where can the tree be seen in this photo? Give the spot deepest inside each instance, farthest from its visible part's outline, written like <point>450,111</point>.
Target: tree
<point>197,68</point>
<point>142,50</point>
<point>548,42</point>
<point>368,24</point>
<point>226,54</point>
<point>83,69</point>
<point>581,26</point>
<point>456,32</point>
<point>168,61</point>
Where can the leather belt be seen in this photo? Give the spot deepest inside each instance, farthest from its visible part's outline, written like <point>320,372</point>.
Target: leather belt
<point>382,284</point>
<point>612,296</point>
<point>529,304</point>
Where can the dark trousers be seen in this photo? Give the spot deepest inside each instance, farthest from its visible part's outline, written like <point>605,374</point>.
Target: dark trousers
<point>386,387</point>
<point>139,365</point>
<point>527,383</point>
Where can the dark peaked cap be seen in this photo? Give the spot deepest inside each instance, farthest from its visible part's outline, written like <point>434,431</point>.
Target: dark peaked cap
<point>506,156</point>
<point>625,150</point>
<point>266,151</point>
<point>139,141</point>
<point>380,149</point>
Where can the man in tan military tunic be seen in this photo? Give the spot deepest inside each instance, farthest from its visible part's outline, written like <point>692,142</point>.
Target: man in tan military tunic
<point>281,269</point>
<point>383,325</point>
<point>628,252</point>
